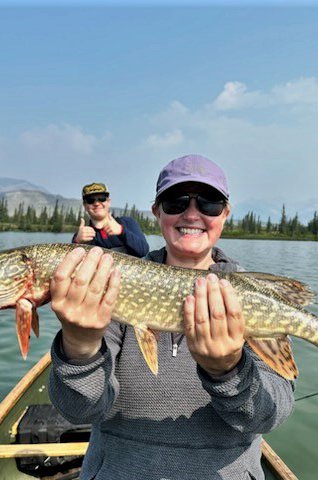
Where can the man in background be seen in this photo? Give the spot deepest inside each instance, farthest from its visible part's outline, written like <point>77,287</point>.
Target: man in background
<point>120,233</point>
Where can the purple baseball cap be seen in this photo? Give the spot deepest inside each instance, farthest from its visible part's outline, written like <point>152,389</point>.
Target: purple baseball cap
<point>192,168</point>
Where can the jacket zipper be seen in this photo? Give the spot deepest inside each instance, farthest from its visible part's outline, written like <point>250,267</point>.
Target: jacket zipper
<point>175,345</point>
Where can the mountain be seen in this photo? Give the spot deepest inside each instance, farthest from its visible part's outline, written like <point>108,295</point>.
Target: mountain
<point>18,192</point>
<point>39,200</point>
<point>22,192</point>
<point>13,184</point>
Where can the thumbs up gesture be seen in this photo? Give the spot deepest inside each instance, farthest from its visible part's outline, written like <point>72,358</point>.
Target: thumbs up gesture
<point>85,234</point>
<point>112,227</point>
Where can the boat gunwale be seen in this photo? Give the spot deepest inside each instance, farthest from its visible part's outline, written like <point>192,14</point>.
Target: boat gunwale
<point>22,386</point>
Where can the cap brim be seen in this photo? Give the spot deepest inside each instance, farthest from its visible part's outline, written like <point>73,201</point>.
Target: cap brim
<point>95,193</point>
<point>191,179</point>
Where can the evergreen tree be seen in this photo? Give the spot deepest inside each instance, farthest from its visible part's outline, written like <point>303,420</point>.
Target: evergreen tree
<point>30,217</point>
<point>282,227</point>
<point>229,225</point>
<point>43,218</point>
<point>70,217</point>
<point>79,216</point>
<point>57,219</point>
<point>249,224</point>
<point>19,219</point>
<point>134,212</point>
<point>126,210</point>
<point>313,224</point>
<point>294,226</point>
<point>4,215</point>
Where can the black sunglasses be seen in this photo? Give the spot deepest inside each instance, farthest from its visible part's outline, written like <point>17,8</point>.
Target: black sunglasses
<point>176,205</point>
<point>92,199</point>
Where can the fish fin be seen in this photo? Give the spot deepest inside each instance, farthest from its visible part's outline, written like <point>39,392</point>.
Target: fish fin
<point>288,289</point>
<point>277,354</point>
<point>35,322</point>
<point>148,344</point>
<point>24,313</point>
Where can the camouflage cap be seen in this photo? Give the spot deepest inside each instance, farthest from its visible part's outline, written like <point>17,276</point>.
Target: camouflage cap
<point>93,188</point>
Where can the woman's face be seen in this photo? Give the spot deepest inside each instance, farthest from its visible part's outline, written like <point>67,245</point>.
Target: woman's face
<point>191,234</point>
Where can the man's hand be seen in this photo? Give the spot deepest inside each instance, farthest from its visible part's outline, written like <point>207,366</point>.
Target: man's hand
<point>85,234</point>
<point>84,292</point>
<point>214,325</point>
<point>112,227</point>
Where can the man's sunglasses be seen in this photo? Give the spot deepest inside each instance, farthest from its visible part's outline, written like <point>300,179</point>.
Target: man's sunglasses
<point>92,199</point>
<point>176,205</point>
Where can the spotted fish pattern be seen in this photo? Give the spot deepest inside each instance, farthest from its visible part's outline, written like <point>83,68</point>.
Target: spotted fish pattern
<point>151,299</point>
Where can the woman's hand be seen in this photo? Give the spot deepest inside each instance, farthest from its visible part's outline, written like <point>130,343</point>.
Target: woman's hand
<point>214,325</point>
<point>84,292</point>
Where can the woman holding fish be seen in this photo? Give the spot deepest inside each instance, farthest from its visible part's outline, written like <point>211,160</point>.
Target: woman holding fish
<point>202,415</point>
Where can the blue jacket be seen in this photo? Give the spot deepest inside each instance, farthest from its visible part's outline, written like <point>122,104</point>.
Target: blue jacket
<point>131,240</point>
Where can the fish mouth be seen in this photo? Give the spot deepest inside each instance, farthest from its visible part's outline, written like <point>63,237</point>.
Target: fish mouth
<point>195,231</point>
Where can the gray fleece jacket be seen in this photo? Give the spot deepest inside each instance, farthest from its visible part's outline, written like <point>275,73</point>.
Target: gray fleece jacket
<point>180,425</point>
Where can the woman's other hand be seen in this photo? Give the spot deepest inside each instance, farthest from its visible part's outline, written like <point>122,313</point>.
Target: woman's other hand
<point>214,325</point>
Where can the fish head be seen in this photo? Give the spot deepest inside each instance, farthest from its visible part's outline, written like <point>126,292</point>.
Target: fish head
<point>16,276</point>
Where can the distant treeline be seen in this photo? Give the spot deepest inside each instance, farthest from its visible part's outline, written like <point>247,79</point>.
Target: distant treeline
<point>288,228</point>
<point>60,220</point>
<point>250,226</point>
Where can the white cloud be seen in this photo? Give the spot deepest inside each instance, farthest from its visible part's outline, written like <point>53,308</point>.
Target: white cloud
<point>266,141</point>
<point>178,107</point>
<point>60,158</point>
<point>301,91</point>
<point>168,139</point>
<point>57,138</point>
<point>235,95</point>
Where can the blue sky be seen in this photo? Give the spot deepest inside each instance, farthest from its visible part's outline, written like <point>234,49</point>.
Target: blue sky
<point>113,93</point>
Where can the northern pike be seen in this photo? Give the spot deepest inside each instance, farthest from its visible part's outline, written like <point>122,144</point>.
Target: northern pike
<point>151,299</point>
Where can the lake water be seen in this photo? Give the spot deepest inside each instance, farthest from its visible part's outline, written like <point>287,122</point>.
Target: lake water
<point>296,441</point>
